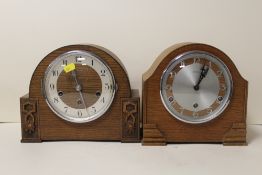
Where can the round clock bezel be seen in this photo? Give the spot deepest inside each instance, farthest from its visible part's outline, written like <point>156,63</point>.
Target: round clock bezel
<point>95,116</point>
<point>214,115</point>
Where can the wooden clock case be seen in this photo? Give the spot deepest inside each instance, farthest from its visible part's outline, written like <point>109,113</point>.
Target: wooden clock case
<point>120,123</point>
<point>160,127</point>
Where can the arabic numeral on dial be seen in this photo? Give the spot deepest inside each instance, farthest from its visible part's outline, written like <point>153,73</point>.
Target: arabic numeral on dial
<point>107,86</point>
<point>52,86</point>
<point>94,109</point>
<point>103,73</point>
<point>168,87</point>
<point>79,58</point>
<point>56,100</point>
<point>182,64</point>
<point>66,109</point>
<point>209,110</point>
<point>219,73</point>
<point>55,73</point>
<point>172,74</point>
<point>223,87</point>
<point>79,113</point>
<point>196,60</point>
<point>64,62</point>
<point>92,62</point>
<point>195,114</point>
<point>103,100</point>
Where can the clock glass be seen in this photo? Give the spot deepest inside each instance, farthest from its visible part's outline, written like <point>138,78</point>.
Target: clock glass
<point>79,86</point>
<point>196,87</point>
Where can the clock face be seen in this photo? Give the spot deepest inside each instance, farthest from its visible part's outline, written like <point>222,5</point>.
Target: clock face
<point>79,86</point>
<point>196,87</point>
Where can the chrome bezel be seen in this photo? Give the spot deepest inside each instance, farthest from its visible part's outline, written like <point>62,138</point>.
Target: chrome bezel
<point>214,114</point>
<point>68,118</point>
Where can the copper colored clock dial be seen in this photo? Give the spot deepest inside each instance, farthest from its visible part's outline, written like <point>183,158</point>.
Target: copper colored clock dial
<point>83,94</point>
<point>196,87</point>
<point>91,87</point>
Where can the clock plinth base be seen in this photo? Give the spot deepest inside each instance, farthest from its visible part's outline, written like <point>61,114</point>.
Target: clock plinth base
<point>236,136</point>
<point>152,136</point>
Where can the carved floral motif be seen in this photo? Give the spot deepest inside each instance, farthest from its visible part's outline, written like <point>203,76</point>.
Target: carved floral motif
<point>29,119</point>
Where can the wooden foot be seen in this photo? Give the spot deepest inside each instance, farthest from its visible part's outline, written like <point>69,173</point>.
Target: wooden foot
<point>152,136</point>
<point>236,136</point>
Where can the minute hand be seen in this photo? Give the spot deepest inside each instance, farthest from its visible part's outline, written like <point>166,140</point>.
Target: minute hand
<point>204,71</point>
<point>79,88</point>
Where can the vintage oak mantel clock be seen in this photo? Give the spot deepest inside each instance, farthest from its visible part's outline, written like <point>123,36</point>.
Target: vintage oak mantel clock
<point>80,92</point>
<point>194,93</point>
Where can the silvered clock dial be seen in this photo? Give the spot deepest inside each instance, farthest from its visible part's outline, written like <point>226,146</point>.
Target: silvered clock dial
<point>196,87</point>
<point>84,93</point>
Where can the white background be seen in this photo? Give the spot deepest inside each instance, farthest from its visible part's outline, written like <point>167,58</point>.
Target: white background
<point>137,31</point>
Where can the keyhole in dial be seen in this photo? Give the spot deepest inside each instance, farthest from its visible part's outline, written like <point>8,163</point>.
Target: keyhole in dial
<point>79,102</point>
<point>195,105</point>
<point>98,94</point>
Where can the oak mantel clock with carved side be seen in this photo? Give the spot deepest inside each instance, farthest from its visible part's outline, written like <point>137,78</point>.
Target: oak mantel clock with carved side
<point>80,92</point>
<point>193,93</point>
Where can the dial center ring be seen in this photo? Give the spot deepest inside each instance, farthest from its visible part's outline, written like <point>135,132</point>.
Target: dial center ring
<point>184,92</point>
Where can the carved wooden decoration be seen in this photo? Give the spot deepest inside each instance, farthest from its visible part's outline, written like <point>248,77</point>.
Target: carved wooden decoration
<point>40,123</point>
<point>29,119</point>
<point>160,127</point>
<point>131,119</point>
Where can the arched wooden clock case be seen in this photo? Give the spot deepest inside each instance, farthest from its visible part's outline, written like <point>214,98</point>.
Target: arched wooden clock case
<point>121,122</point>
<point>160,127</point>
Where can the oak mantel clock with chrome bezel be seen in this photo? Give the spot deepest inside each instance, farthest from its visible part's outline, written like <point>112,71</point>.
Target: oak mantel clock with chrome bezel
<point>194,93</point>
<point>80,92</point>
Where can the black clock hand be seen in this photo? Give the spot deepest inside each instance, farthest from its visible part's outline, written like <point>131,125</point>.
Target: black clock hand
<point>79,88</point>
<point>204,71</point>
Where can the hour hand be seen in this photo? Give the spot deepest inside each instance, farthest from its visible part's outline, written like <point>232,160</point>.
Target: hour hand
<point>203,73</point>
<point>78,86</point>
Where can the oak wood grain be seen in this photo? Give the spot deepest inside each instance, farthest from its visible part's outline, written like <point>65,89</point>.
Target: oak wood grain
<point>174,130</point>
<point>107,127</point>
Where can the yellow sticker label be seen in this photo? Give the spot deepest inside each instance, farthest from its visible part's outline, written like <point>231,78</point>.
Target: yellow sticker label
<point>70,67</point>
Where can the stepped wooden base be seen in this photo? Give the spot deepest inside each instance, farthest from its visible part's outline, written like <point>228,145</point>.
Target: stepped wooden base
<point>236,136</point>
<point>152,136</point>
